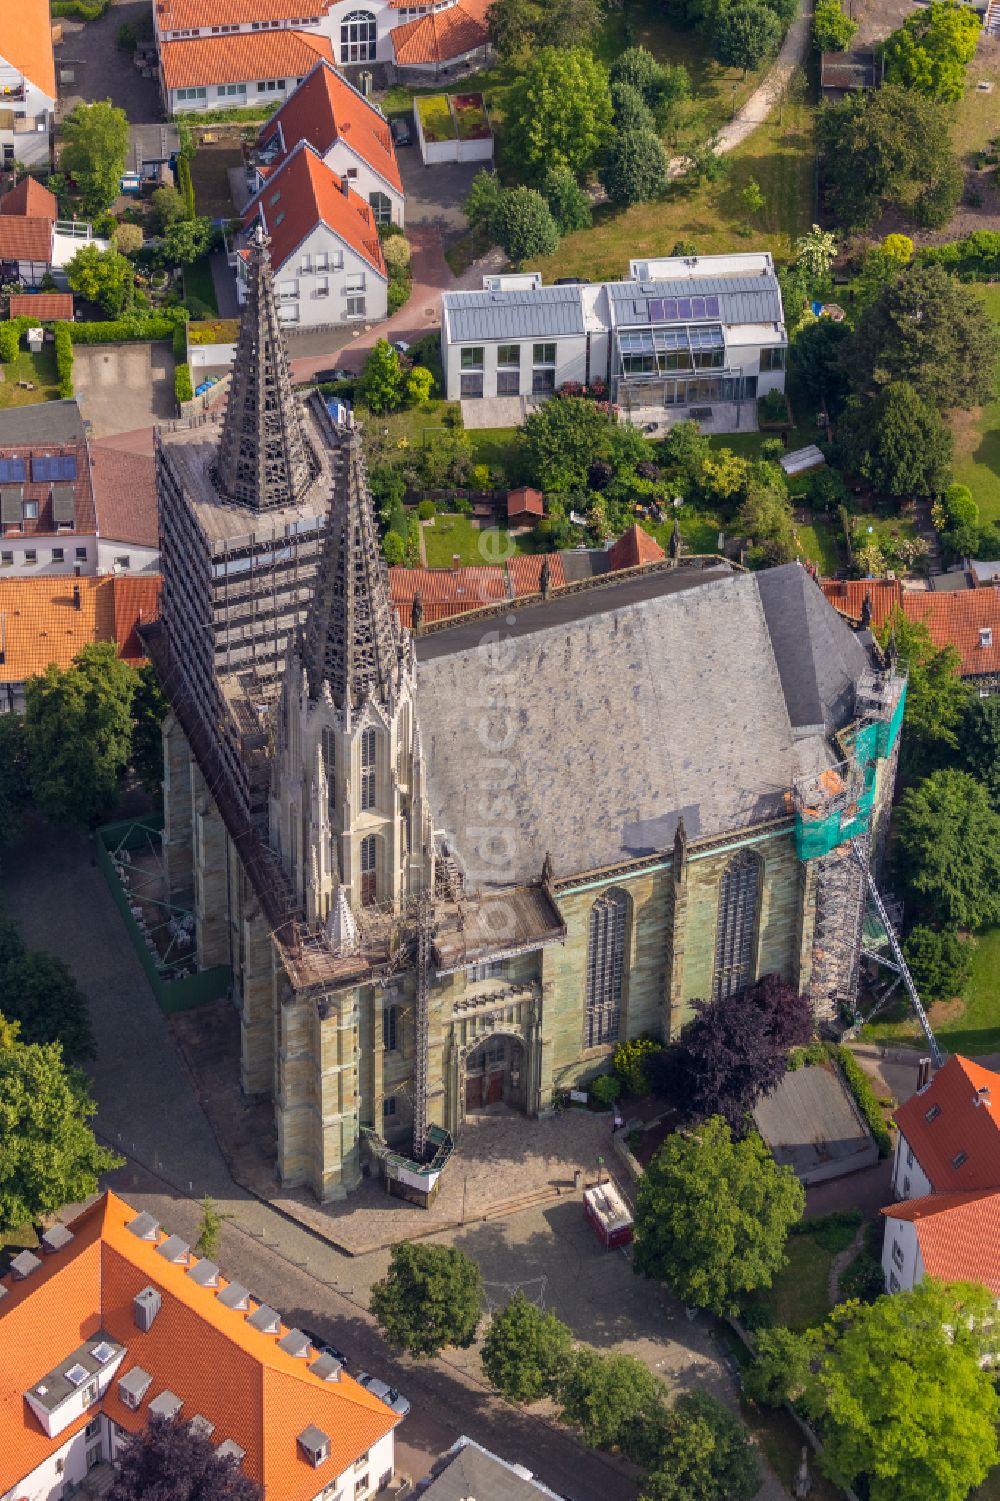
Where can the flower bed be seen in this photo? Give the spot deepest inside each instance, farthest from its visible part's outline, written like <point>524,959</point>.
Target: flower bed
<point>470,117</point>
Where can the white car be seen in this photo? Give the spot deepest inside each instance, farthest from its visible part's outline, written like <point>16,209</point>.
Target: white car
<point>400,345</point>
<point>392,1398</point>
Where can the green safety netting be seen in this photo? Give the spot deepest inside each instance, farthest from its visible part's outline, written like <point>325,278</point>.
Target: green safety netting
<point>816,835</point>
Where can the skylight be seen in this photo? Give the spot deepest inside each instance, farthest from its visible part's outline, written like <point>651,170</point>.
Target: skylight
<point>103,1352</point>
<point>933,1113</point>
<point>77,1374</point>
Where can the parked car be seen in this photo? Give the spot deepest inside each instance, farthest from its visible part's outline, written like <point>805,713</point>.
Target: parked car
<point>571,281</point>
<point>392,1398</point>
<point>401,132</point>
<point>400,345</point>
<point>324,1347</point>
<point>322,376</point>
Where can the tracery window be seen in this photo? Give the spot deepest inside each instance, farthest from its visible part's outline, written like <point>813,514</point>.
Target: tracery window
<point>330,764</point>
<point>605,966</point>
<point>369,878</point>
<point>357,37</point>
<point>736,930</point>
<point>368,769</point>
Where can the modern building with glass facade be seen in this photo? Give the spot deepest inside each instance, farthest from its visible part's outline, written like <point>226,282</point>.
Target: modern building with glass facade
<point>681,333</point>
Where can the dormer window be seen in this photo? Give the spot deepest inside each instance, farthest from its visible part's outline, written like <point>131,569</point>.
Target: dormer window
<point>959,1158</point>
<point>985,635</point>
<point>315,1445</point>
<point>932,1114</point>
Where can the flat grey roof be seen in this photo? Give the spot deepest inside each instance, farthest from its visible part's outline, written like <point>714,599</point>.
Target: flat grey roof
<point>810,1123</point>
<point>524,314</point>
<point>47,423</point>
<point>742,299</point>
<point>54,1388</point>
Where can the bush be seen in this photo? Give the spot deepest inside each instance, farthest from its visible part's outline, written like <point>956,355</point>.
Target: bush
<point>64,359</point>
<point>636,167</point>
<point>393,549</point>
<point>426,509</point>
<point>860,1086</point>
<point>127,238</point>
<point>126,37</point>
<point>80,8</point>
<point>772,408</point>
<point>185,186</point>
<point>863,1279</point>
<point>605,1089</point>
<point>10,341</point>
<point>183,388</point>
<point>629,1063</point>
<point>833,1231</point>
<point>807,1057</point>
<point>827,490</point>
<point>178,343</point>
<point>396,251</point>
<point>128,330</point>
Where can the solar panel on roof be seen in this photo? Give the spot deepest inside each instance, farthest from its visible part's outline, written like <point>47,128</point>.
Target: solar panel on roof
<point>683,307</point>
<point>12,471</point>
<point>711,307</point>
<point>48,467</point>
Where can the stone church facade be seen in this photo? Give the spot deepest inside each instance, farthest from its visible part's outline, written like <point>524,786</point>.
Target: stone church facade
<point>455,868</point>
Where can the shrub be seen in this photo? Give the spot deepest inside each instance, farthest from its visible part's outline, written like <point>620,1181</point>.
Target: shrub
<point>10,341</point>
<point>773,408</point>
<point>833,1231</point>
<point>80,9</point>
<point>860,1086</point>
<point>183,388</point>
<point>807,1057</point>
<point>64,359</point>
<point>629,1063</point>
<point>393,549</point>
<point>426,509</point>
<point>179,343</point>
<point>185,186</point>
<point>863,1278</point>
<point>127,238</point>
<point>605,1089</point>
<point>396,251</point>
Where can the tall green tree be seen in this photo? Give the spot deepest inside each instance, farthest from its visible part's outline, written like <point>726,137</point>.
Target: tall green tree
<point>712,1216</point>
<point>638,67</point>
<point>558,114</point>
<point>104,277</point>
<point>94,147</point>
<point>559,442</point>
<point>936,697</point>
<point>41,995</point>
<point>636,167</point>
<point>704,1453</point>
<point>930,51</point>
<point>523,225</point>
<point>431,1297</point>
<point>744,34</point>
<point>382,380</point>
<point>939,962</point>
<point>526,1351</point>
<point>615,1401</point>
<point>78,730</point>
<point>903,1402</point>
<point>814,356</point>
<point>567,201</point>
<point>832,30</point>
<point>185,241</point>
<point>149,709</point>
<point>980,742</point>
<point>948,850</point>
<point>888,146</point>
<point>897,441</point>
<point>15,792</point>
<point>48,1154</point>
<point>927,329</point>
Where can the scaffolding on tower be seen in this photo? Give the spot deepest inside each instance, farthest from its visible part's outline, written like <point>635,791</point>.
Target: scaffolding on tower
<point>834,812</point>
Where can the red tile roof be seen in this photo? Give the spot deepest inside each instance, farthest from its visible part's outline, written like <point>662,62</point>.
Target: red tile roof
<point>43,624</point>
<point>136,600</point>
<point>848,596</point>
<point>124,495</point>
<point>525,569</point>
<point>242,57</point>
<point>442,35</point>
<point>237,1378</point>
<point>26,42</point>
<point>84,515</point>
<point>955,619</point>
<point>445,592</point>
<point>525,502</point>
<point>25,239</point>
<point>180,15</point>
<point>30,197</point>
<point>47,307</point>
<point>325,108</point>
<point>634,548</point>
<point>958,1234</point>
<point>959,1125</point>
<point>304,192</point>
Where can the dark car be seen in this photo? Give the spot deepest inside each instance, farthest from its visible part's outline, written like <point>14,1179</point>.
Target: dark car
<point>401,132</point>
<point>324,1347</point>
<point>571,281</point>
<point>323,376</point>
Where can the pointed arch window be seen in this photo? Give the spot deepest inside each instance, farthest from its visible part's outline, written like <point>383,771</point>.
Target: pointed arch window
<point>369,874</point>
<point>605,968</point>
<point>736,929</point>
<point>330,764</point>
<point>368,769</point>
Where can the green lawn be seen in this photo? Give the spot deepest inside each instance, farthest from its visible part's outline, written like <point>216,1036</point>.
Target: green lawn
<point>495,446</point>
<point>973,1029</point>
<point>475,545</point>
<point>401,432</point>
<point>818,543</point>
<point>798,1297</point>
<point>977,438</point>
<point>38,368</point>
<point>198,283</point>
<point>699,531</point>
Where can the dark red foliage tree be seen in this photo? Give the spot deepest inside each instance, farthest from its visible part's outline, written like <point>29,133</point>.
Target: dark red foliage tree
<point>170,1462</point>
<point>733,1051</point>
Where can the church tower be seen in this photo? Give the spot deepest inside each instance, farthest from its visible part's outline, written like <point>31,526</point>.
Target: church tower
<point>349,813</point>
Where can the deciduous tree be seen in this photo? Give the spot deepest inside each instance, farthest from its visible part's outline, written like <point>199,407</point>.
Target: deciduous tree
<point>639,68</point>
<point>559,113</point>
<point>15,791</point>
<point>896,441</point>
<point>815,357</point>
<point>630,110</point>
<point>744,34</point>
<point>149,709</point>
<point>430,1297</point>
<point>901,1396</point>
<point>948,850</point>
<point>780,1368</point>
<point>526,1351</point>
<point>636,167</point>
<point>832,30</point>
<point>48,1155</point>
<point>513,26</point>
<point>185,241</point>
<point>174,1462</point>
<point>104,277</point>
<point>979,739</point>
<point>94,146</point>
<point>167,206</point>
<point>712,1216</point>
<point>931,49</point>
<point>567,201</point>
<point>561,440</point>
<point>936,697</point>
<point>523,225</point>
<point>733,1051</point>
<point>382,380</point>
<point>78,730</point>
<point>939,961</point>
<point>41,995</point>
<point>615,1401</point>
<point>705,1453</point>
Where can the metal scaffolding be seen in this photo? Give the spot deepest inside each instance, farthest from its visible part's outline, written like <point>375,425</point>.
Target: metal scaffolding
<point>421,1025</point>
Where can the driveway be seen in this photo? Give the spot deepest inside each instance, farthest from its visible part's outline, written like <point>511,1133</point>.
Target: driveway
<point>102,70</point>
<point>124,387</point>
<point>435,195</point>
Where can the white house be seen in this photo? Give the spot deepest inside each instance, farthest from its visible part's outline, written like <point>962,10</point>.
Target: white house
<point>34,242</point>
<point>347,131</point>
<point>946,1175</point>
<point>216,72</point>
<point>27,83</point>
<point>325,249</point>
<point>114,1320</point>
<point>682,335</point>
<point>355,33</point>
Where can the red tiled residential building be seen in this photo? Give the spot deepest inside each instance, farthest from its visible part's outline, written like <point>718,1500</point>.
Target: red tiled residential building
<point>217,72</point>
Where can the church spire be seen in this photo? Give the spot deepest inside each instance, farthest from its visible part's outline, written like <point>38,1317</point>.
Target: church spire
<point>352,640</point>
<point>263,460</point>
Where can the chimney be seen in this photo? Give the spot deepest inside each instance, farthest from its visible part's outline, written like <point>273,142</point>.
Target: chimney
<point>456,561</point>
<point>76,597</point>
<point>923,1073</point>
<point>983,1096</point>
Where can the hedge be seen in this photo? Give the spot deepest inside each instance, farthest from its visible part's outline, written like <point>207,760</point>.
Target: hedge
<point>64,358</point>
<point>974,258</point>
<point>183,388</point>
<point>10,341</point>
<point>180,343</point>
<point>860,1086</point>
<point>128,330</point>
<point>184,184</point>
<point>80,9</point>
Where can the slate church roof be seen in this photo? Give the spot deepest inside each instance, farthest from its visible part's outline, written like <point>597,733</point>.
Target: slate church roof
<point>607,713</point>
